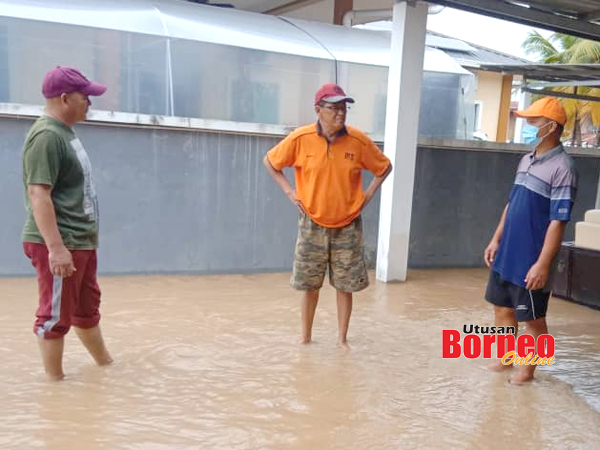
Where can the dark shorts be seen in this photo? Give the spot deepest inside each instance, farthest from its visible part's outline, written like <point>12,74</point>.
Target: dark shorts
<point>528,305</point>
<point>65,301</point>
<point>340,249</point>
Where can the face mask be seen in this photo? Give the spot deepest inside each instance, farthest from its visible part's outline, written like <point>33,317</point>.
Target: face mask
<point>530,134</point>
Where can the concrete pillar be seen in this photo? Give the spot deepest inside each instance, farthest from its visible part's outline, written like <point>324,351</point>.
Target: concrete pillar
<point>401,134</point>
<point>504,113</point>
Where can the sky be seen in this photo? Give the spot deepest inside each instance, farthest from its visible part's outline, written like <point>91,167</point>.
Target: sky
<point>486,31</point>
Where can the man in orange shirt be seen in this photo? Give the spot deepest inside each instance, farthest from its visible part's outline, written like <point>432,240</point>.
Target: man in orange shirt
<point>328,158</point>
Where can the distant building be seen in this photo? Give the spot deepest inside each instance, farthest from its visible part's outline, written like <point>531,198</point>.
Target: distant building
<point>493,91</point>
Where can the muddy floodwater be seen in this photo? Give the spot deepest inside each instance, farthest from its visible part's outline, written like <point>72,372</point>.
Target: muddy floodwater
<point>211,362</point>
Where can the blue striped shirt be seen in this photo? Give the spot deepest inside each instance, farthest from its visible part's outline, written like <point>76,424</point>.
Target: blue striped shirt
<point>544,190</point>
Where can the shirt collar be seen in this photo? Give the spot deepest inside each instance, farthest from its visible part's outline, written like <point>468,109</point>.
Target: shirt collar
<point>57,122</point>
<point>546,156</point>
<point>340,133</point>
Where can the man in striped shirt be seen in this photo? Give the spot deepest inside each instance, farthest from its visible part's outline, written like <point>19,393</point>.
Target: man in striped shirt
<point>531,228</point>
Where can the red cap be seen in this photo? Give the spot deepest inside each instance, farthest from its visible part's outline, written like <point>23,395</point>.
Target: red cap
<point>331,93</point>
<point>64,80</point>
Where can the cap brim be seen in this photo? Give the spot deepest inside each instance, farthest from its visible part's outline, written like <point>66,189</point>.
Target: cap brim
<point>526,114</point>
<point>337,99</point>
<point>94,89</point>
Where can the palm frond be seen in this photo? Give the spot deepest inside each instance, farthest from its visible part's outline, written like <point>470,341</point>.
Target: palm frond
<point>592,109</point>
<point>584,51</point>
<point>564,41</point>
<point>537,45</point>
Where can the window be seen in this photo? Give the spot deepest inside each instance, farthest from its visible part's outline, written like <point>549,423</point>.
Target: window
<point>477,106</point>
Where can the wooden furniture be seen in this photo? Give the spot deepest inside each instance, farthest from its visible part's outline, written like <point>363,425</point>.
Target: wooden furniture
<point>576,275</point>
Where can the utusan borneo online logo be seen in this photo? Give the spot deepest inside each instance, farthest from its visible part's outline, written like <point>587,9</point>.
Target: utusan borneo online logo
<point>477,340</point>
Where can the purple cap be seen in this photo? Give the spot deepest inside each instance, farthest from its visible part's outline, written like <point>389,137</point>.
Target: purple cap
<point>64,80</point>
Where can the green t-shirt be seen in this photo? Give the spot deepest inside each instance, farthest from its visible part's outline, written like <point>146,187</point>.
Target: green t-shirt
<point>53,155</point>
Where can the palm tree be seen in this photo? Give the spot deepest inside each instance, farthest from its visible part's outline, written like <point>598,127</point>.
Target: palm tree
<point>561,48</point>
<point>591,110</point>
<point>545,50</point>
<point>585,51</point>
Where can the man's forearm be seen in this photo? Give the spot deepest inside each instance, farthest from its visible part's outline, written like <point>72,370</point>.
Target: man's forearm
<point>500,228</point>
<point>377,182</point>
<point>45,219</point>
<point>552,242</point>
<point>279,177</point>
<point>283,182</point>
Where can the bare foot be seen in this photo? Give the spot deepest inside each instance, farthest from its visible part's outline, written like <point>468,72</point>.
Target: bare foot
<point>304,341</point>
<point>105,360</point>
<point>497,366</point>
<point>344,345</point>
<point>521,378</point>
<point>54,378</point>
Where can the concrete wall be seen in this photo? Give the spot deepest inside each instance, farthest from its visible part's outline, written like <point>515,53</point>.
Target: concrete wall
<point>459,197</point>
<point>174,201</point>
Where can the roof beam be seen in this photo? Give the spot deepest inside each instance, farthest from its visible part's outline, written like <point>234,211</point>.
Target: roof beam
<point>591,16</point>
<point>527,16</point>
<point>560,94</point>
<point>340,8</point>
<point>541,84</point>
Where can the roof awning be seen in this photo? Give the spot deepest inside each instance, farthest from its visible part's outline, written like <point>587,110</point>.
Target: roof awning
<point>575,17</point>
<point>537,78</point>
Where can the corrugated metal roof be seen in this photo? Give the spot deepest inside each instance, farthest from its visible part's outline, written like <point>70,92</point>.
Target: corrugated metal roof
<point>473,55</point>
<point>464,53</point>
<point>549,72</point>
<point>479,57</point>
<point>442,42</point>
<point>552,75</point>
<point>573,8</point>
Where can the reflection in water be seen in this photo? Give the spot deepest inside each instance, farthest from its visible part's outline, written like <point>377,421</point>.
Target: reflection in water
<point>211,362</point>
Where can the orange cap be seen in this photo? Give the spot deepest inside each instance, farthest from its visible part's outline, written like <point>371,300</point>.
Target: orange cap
<point>547,107</point>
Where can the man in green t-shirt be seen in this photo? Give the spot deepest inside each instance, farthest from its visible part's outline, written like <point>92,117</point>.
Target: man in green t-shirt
<point>60,235</point>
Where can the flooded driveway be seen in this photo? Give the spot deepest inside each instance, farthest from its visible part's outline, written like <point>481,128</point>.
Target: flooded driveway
<point>211,362</point>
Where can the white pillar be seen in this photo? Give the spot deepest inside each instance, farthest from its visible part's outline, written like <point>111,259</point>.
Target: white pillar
<point>401,133</point>
<point>598,194</point>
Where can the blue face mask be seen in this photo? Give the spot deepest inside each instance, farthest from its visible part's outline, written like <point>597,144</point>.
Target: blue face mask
<point>529,133</point>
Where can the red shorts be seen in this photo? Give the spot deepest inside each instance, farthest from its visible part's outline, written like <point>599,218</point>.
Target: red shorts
<point>65,301</point>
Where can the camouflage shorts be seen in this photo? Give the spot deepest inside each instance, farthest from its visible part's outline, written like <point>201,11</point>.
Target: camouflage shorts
<point>339,248</point>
